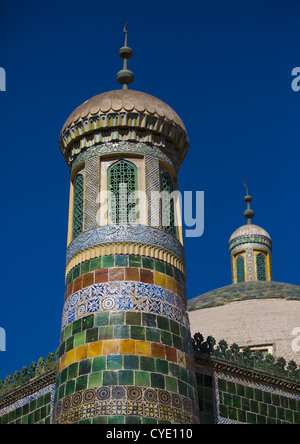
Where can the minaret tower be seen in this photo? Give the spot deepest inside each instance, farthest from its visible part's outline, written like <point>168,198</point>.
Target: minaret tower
<point>125,354</point>
<point>250,249</point>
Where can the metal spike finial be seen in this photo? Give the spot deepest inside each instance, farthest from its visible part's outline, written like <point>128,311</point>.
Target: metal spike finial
<point>125,77</point>
<point>126,32</point>
<point>248,214</point>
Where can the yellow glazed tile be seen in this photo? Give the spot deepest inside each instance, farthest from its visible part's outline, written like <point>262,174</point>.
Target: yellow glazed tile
<point>127,347</point>
<point>71,356</point>
<point>95,349</point>
<point>170,283</point>
<point>81,352</point>
<point>110,347</point>
<point>143,348</point>
<point>159,279</point>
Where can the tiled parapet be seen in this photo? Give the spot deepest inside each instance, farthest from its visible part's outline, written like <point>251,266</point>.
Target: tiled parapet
<point>125,353</point>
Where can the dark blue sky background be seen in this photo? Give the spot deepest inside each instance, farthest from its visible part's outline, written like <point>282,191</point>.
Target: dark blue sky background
<point>224,66</point>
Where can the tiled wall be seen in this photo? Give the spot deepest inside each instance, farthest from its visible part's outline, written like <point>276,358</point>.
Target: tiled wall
<point>125,354</point>
<point>33,409</point>
<point>225,399</point>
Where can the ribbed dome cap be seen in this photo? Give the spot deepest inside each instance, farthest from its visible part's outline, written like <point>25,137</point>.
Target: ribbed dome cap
<point>249,230</point>
<point>126,100</point>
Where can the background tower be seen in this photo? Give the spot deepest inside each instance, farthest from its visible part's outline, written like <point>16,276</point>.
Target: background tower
<point>125,352</point>
<point>250,249</point>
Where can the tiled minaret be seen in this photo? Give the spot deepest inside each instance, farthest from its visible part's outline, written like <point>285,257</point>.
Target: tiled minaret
<point>250,249</point>
<point>125,354</point>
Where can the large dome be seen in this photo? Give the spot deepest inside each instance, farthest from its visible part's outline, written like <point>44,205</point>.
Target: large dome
<point>124,116</point>
<point>244,291</point>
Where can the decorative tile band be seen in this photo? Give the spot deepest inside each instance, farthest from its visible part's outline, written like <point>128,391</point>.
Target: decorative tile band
<point>49,389</point>
<point>127,296</point>
<point>133,264</point>
<point>144,276</point>
<point>125,248</point>
<point>261,240</point>
<point>125,233</point>
<point>129,325</point>
<point>125,400</point>
<point>117,347</point>
<point>124,148</point>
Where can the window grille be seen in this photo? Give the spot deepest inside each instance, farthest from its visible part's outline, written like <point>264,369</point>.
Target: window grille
<point>78,205</point>
<point>122,182</point>
<point>240,269</point>
<point>168,205</point>
<point>261,268</point>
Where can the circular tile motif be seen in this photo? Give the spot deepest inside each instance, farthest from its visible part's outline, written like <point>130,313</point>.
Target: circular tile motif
<point>88,395</point>
<point>150,395</point>
<point>176,401</point>
<point>134,393</point>
<point>118,392</point>
<point>109,303</point>
<point>103,393</point>
<point>76,399</point>
<point>164,397</point>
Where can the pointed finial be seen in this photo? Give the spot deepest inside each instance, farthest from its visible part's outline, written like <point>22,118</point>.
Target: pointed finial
<point>125,77</point>
<point>248,214</point>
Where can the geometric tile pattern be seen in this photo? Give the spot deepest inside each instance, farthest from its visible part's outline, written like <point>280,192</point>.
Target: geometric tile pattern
<point>152,188</point>
<point>144,234</point>
<point>124,400</point>
<point>127,296</point>
<point>91,191</point>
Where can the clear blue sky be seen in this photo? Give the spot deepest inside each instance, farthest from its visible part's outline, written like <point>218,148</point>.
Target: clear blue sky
<point>224,66</point>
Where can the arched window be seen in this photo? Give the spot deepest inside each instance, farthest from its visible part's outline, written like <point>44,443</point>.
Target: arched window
<point>78,205</point>
<point>122,182</point>
<point>168,204</point>
<point>261,267</point>
<point>240,269</point>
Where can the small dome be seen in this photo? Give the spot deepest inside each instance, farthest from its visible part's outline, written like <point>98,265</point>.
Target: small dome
<point>249,230</point>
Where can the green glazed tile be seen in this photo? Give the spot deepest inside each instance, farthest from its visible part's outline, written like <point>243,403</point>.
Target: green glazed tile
<point>126,377</point>
<point>121,260</point>
<point>142,378</point>
<point>96,263</point>
<point>117,318</point>
<point>85,267</point>
<point>79,339</point>
<point>85,366</point>
<point>135,261</point>
<point>114,362</point>
<point>108,261</point>
<point>110,378</point>
<point>148,263</point>
<point>121,332</point>
<point>131,362</point>
<point>95,380</point>
<point>99,364</point>
<point>102,319</point>
<point>147,363</point>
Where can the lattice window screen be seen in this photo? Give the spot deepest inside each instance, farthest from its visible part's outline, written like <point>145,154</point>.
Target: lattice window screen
<point>240,269</point>
<point>168,205</point>
<point>122,181</point>
<point>78,206</point>
<point>261,267</point>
